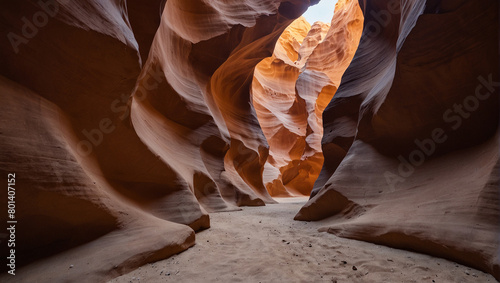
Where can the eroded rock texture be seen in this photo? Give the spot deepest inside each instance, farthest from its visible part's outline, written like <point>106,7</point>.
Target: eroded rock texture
<point>291,89</point>
<point>125,122</point>
<point>411,136</point>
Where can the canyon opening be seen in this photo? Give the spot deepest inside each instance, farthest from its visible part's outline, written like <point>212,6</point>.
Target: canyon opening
<point>291,89</point>
<point>239,141</point>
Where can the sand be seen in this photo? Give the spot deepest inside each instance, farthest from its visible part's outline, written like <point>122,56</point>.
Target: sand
<point>265,244</point>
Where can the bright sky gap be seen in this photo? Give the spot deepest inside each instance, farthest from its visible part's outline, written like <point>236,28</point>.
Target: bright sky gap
<point>323,11</point>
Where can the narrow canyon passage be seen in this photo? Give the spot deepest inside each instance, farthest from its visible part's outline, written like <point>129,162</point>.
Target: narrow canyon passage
<point>264,244</point>
<point>154,140</point>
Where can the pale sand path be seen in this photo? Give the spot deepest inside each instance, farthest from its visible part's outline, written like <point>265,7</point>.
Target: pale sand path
<point>265,244</point>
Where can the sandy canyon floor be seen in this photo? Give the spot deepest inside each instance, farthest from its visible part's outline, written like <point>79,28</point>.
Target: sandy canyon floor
<point>265,244</point>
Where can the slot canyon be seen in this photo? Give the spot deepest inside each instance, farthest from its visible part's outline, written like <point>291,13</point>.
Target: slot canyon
<point>235,141</point>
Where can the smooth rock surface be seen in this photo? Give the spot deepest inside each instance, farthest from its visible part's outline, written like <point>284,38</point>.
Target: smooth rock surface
<point>291,89</point>
<point>411,137</point>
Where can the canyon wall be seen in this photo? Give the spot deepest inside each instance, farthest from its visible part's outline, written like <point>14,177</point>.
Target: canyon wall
<point>291,89</point>
<point>411,137</point>
<point>125,122</point>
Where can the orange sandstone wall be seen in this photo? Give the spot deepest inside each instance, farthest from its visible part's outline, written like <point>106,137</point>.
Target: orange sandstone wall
<point>291,89</point>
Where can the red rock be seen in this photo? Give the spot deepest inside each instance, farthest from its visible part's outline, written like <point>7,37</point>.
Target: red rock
<point>291,89</point>
<point>126,123</point>
<point>120,125</point>
<point>399,169</point>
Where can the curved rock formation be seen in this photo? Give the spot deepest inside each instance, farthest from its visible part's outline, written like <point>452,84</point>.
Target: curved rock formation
<point>217,147</point>
<point>411,136</point>
<point>291,89</point>
<point>124,123</point>
<point>83,177</point>
<point>122,129</point>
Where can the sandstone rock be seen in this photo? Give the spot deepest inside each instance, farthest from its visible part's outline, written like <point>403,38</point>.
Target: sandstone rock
<point>119,122</point>
<point>127,122</point>
<point>291,89</point>
<point>402,168</point>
